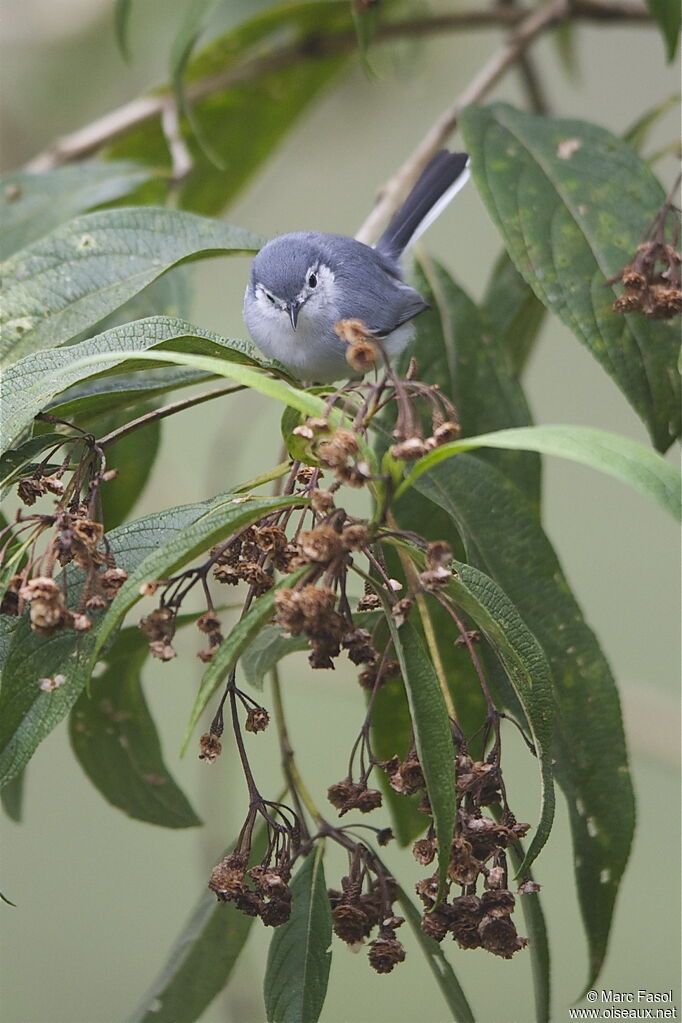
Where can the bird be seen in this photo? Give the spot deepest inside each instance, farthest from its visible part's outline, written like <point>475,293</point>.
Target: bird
<point>303,283</point>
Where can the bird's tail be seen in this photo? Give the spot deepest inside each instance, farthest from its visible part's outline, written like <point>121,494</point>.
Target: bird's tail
<point>439,183</point>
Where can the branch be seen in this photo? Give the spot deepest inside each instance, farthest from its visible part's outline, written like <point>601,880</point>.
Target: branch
<point>396,188</point>
<point>105,130</point>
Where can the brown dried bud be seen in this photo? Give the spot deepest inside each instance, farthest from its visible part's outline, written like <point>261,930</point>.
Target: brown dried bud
<point>439,554</point>
<point>210,747</point>
<point>633,279</point>
<point>79,622</point>
<point>208,622</point>
<point>271,538</point>
<point>370,602</point>
<point>112,580</point>
<point>352,331</point>
<point>336,451</point>
<point>355,537</point>
<point>424,850</point>
<point>305,474</point>
<point>498,935</point>
<point>277,911</point>
<point>469,636</point>
<point>148,589</point>
<point>385,953</point>
<point>436,923</point>
<point>368,800</point>
<point>95,603</point>
<point>495,877</point>
<point>207,655</point>
<point>529,888</point>
<point>257,719</point>
<point>162,650</point>
<point>88,532</point>
<point>48,611</point>
<point>409,450</point>
<point>358,643</point>
<point>227,877</point>
<point>401,610</point>
<point>463,867</point>
<point>321,544</point>
<point>464,920</point>
<point>54,485</point>
<point>350,923</point>
<point>158,624</point>
<point>30,489</point>
<point>435,578</point>
<point>361,356</point>
<point>666,302</point>
<point>385,836</point>
<point>498,903</point>
<point>629,302</point>
<point>322,501</point>
<point>446,432</point>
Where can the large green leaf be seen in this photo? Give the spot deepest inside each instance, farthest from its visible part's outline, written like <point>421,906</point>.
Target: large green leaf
<point>30,386</point>
<point>201,960</point>
<point>80,272</point>
<point>33,204</point>
<point>627,460</point>
<point>572,203</point>
<point>458,349</point>
<point>432,734</point>
<point>526,668</point>
<point>273,65</point>
<point>511,306</point>
<point>299,956</point>
<point>149,548</point>
<point>503,533</point>
<point>115,741</point>
<point>668,16</point>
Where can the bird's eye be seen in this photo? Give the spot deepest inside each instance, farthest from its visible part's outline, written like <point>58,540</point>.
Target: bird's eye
<point>312,281</point>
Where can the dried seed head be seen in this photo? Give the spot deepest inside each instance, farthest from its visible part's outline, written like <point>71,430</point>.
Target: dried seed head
<point>424,850</point>
<point>495,877</point>
<point>355,537</point>
<point>54,485</point>
<point>446,432</point>
<point>322,544</point>
<point>322,501</point>
<point>336,451</point>
<point>162,650</point>
<point>529,888</point>
<point>350,923</point>
<point>111,580</point>
<point>439,554</point>
<point>257,719</point>
<point>361,356</point>
<point>210,747</point>
<point>401,610</point>
<point>29,490</point>
<point>370,602</point>
<point>409,450</point>
<point>227,877</point>
<point>385,953</point>
<point>208,622</point>
<point>498,935</point>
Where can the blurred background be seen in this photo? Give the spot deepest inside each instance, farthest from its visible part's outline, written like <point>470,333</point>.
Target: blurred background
<point>101,897</point>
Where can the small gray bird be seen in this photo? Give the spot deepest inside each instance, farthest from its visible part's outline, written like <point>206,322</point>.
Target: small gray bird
<point>302,283</point>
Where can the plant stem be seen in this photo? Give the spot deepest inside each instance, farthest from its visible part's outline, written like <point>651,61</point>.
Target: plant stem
<point>166,410</point>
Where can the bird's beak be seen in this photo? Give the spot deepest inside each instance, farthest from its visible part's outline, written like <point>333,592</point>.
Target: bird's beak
<point>293,309</point>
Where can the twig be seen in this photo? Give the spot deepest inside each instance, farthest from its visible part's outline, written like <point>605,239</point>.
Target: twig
<point>181,158</point>
<point>167,410</point>
<point>397,186</point>
<point>107,129</point>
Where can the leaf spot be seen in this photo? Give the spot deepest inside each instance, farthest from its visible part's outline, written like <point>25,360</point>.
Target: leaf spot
<point>605,876</point>
<point>567,148</point>
<point>19,326</point>
<point>592,829</point>
<point>154,779</point>
<point>86,241</point>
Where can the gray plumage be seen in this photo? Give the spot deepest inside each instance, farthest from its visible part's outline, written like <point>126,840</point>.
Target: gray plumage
<point>302,283</point>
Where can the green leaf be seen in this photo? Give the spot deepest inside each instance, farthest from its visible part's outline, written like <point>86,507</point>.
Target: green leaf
<point>510,305</point>
<point>668,16</point>
<point>274,65</point>
<point>626,459</point>
<point>82,271</point>
<point>202,959</point>
<point>591,761</point>
<point>33,204</point>
<point>459,350</point>
<point>266,651</point>
<point>148,548</point>
<point>538,941</point>
<point>299,956</point>
<point>432,734</point>
<point>232,647</point>
<point>442,971</point>
<point>572,203</point>
<point>122,9</point>
<point>12,797</point>
<point>115,740</point>
<point>526,668</point>
<point>638,133</point>
<point>30,386</point>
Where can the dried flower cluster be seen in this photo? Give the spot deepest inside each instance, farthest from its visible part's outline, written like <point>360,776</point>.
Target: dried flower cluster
<point>70,534</point>
<point>651,281</point>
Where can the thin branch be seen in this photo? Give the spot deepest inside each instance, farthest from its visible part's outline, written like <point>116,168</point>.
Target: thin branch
<point>395,189</point>
<point>167,410</point>
<point>107,129</point>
